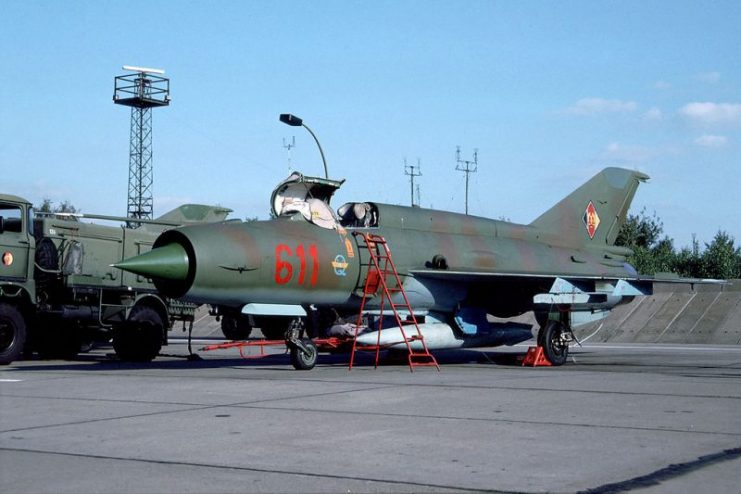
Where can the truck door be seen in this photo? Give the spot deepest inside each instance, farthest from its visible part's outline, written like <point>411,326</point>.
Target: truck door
<point>15,242</point>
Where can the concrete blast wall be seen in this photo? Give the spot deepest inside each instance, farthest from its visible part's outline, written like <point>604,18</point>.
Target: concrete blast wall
<point>705,314</point>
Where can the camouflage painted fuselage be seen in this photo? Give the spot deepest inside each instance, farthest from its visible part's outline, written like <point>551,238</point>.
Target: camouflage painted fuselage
<point>445,259</point>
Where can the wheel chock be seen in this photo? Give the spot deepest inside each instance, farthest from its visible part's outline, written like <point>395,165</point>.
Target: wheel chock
<point>535,357</point>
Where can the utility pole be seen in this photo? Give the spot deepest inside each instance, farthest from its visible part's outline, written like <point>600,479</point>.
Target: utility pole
<point>412,171</point>
<point>467,167</point>
<point>289,146</point>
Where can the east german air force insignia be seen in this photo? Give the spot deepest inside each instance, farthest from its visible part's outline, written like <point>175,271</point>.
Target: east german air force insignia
<point>591,219</point>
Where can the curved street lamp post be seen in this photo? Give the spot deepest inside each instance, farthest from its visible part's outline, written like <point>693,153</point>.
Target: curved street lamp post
<point>294,121</point>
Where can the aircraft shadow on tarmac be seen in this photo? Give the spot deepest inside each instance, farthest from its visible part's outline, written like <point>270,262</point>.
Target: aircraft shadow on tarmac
<point>99,361</point>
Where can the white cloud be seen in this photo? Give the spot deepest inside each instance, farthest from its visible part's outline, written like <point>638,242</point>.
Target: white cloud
<point>711,141</point>
<point>662,85</point>
<point>626,154</point>
<point>594,106</point>
<point>709,77</point>
<point>710,113</point>
<point>653,114</point>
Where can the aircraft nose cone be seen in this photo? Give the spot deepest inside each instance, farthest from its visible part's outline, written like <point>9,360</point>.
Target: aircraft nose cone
<point>169,262</point>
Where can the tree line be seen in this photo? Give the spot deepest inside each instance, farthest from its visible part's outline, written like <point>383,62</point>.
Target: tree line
<point>654,252</point>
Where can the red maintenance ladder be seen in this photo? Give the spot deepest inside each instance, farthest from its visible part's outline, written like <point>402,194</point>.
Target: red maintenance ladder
<point>380,268</point>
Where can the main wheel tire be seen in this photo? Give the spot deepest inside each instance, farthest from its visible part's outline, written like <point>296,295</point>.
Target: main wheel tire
<point>302,360</point>
<point>556,351</point>
<point>235,327</point>
<point>140,338</point>
<point>12,334</point>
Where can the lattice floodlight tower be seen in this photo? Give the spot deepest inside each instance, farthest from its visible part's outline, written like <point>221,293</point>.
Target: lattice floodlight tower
<point>141,90</point>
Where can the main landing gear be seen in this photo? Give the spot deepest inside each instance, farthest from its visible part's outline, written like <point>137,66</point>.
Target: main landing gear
<point>554,337</point>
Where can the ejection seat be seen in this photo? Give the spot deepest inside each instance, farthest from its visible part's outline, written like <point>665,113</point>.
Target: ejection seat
<point>358,215</point>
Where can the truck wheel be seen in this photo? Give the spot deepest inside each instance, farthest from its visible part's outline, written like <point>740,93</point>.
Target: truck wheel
<point>47,264</point>
<point>304,360</point>
<point>235,327</point>
<point>140,339</point>
<point>12,334</point>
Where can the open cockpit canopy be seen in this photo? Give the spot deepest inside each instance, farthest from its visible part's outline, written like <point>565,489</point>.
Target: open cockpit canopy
<point>309,196</point>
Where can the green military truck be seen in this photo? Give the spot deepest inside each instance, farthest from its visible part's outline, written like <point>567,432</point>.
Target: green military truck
<point>59,293</point>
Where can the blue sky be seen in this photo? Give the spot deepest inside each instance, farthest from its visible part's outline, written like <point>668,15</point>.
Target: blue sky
<point>548,92</point>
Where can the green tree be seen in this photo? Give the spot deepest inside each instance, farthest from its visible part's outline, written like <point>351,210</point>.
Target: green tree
<point>689,261</point>
<point>721,258</point>
<point>47,206</point>
<point>642,233</point>
<point>640,230</point>
<point>654,252</point>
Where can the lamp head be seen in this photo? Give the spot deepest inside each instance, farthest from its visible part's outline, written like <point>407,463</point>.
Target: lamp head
<point>291,120</point>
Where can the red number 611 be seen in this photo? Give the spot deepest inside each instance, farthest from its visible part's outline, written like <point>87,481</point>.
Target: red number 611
<point>284,268</point>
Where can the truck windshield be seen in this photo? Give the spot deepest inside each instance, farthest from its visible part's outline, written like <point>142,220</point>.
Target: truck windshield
<point>11,218</point>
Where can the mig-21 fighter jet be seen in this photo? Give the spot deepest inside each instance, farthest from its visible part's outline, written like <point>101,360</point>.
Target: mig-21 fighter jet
<point>311,262</point>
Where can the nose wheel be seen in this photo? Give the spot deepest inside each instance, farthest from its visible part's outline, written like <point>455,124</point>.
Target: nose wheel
<point>303,354</point>
<point>303,350</point>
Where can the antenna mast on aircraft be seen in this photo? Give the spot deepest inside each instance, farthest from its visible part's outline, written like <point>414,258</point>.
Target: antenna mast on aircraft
<point>467,167</point>
<point>413,171</point>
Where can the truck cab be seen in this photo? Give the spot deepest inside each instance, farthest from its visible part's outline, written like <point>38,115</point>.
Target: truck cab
<point>16,240</point>
<point>17,286</point>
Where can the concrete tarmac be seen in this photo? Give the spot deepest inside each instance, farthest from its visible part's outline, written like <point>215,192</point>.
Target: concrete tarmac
<point>617,418</point>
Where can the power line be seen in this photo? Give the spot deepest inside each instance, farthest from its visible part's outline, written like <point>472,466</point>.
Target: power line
<point>413,171</point>
<point>466,166</point>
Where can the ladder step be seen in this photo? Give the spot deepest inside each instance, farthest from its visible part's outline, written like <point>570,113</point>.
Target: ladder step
<point>422,360</point>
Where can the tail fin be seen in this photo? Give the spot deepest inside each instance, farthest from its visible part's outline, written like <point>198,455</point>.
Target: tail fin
<point>593,214</point>
<point>191,213</point>
<point>196,213</point>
